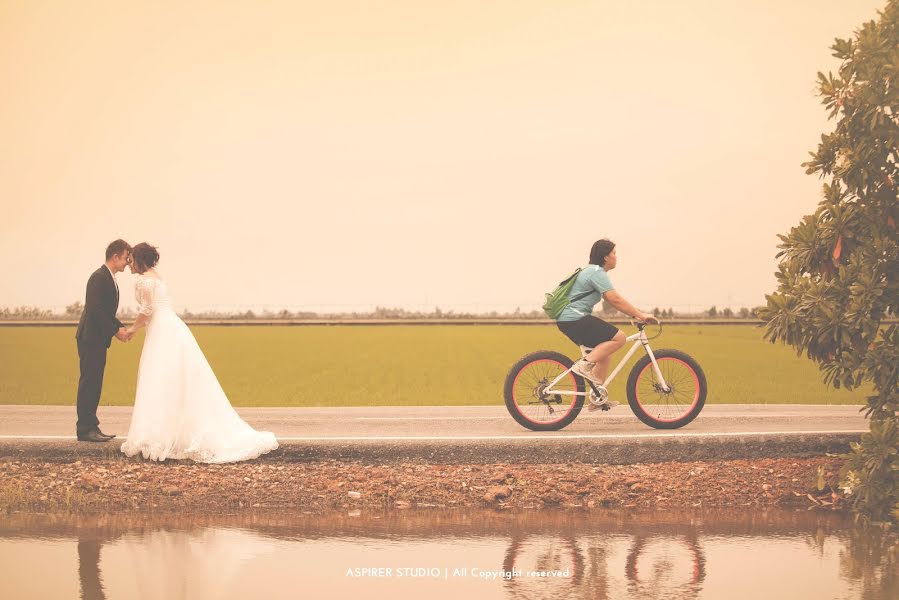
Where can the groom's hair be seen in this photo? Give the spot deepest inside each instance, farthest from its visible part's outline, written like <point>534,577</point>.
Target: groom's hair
<point>116,248</point>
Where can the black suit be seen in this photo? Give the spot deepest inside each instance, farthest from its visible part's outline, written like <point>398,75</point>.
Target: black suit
<point>96,329</point>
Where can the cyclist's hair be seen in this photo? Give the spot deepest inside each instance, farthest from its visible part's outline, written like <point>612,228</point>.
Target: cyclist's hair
<point>600,250</point>
<point>117,248</point>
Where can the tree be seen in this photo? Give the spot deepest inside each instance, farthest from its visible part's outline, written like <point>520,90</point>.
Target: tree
<point>838,276</point>
<point>74,309</point>
<point>712,312</point>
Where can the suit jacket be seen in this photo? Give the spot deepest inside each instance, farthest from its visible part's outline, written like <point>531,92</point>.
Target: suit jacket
<point>98,323</point>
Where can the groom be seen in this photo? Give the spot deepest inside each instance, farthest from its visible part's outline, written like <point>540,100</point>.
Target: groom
<point>96,329</point>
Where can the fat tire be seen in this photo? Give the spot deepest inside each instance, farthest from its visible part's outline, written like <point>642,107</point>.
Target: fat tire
<point>512,407</point>
<point>632,389</point>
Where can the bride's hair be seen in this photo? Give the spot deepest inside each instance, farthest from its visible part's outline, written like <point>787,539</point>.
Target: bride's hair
<point>144,256</point>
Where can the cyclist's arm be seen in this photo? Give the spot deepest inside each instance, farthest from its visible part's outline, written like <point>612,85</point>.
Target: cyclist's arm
<point>618,301</point>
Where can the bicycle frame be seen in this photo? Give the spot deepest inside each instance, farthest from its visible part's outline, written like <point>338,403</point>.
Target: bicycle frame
<point>639,339</point>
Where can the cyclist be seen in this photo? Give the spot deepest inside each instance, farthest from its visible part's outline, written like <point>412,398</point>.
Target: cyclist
<point>578,323</point>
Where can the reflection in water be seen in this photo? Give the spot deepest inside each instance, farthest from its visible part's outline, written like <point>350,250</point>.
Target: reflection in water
<point>873,560</point>
<point>201,563</point>
<point>89,568</point>
<point>655,566</point>
<point>544,554</point>
<point>532,555</point>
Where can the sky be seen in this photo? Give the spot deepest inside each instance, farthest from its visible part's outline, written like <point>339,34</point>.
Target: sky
<point>334,156</point>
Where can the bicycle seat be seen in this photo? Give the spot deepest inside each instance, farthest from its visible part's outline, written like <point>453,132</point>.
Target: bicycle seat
<point>585,350</point>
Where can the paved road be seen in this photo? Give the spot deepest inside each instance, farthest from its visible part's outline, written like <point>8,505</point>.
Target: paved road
<point>458,422</point>
<point>477,433</point>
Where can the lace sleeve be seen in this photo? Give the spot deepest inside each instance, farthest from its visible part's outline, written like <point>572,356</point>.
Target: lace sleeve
<point>144,291</point>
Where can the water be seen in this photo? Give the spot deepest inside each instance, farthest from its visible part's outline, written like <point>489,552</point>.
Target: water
<point>446,554</point>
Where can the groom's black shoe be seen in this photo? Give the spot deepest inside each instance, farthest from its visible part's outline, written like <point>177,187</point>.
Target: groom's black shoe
<point>92,436</point>
<point>105,435</point>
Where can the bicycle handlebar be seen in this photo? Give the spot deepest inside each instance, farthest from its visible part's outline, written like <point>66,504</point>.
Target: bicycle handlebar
<point>641,325</point>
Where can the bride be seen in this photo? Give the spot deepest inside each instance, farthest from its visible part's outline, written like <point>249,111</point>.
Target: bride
<point>180,410</point>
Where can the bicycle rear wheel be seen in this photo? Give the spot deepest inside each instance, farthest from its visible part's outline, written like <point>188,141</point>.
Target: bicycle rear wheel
<point>676,407</point>
<point>526,399</point>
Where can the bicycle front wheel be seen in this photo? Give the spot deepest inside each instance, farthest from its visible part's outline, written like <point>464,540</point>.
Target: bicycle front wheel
<point>528,402</point>
<point>676,406</point>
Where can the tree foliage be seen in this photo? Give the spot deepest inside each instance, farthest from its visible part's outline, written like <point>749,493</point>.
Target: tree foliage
<point>838,276</point>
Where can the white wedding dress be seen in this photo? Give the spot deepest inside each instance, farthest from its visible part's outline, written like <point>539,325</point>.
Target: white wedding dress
<point>180,410</point>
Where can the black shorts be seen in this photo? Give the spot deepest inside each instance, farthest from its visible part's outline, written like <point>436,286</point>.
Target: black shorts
<point>588,331</point>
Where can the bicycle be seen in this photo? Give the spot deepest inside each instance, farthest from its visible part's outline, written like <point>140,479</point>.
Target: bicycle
<point>665,389</point>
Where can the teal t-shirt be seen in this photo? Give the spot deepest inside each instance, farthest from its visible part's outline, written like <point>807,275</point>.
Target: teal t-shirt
<point>593,279</point>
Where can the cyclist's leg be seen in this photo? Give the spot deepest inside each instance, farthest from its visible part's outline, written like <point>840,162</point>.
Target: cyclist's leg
<point>601,355</point>
<point>603,337</point>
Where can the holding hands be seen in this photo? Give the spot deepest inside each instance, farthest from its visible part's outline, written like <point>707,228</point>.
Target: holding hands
<point>124,335</point>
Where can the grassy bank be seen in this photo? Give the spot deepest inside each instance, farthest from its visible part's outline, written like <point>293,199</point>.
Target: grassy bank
<point>397,365</point>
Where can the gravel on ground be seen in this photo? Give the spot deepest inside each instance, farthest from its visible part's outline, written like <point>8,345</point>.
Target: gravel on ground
<point>107,486</point>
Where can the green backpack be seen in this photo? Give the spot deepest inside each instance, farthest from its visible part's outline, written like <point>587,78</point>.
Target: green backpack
<point>557,300</point>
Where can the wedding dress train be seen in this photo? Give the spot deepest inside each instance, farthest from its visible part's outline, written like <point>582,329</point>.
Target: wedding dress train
<point>180,409</point>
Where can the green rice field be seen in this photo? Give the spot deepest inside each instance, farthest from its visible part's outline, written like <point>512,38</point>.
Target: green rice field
<point>399,365</point>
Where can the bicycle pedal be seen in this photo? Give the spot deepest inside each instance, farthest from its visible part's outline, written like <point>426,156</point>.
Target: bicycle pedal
<point>604,405</point>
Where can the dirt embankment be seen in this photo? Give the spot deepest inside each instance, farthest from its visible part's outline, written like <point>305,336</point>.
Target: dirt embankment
<point>114,485</point>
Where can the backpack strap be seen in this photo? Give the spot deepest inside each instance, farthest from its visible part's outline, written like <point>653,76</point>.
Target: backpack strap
<point>570,277</point>
<point>581,295</point>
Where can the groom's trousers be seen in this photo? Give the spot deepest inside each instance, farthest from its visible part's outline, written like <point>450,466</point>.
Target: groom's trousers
<point>92,356</point>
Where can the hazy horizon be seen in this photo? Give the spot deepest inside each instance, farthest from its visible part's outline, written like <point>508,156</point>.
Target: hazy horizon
<point>408,154</point>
